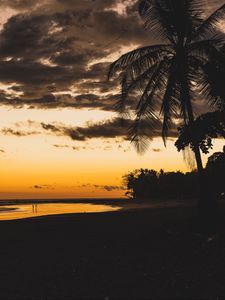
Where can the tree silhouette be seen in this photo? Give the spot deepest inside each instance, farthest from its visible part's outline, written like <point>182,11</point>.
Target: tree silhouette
<point>207,126</point>
<point>144,184</point>
<point>212,124</point>
<point>166,77</point>
<point>215,170</point>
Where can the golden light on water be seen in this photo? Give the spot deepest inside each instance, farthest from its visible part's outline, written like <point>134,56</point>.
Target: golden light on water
<point>14,212</point>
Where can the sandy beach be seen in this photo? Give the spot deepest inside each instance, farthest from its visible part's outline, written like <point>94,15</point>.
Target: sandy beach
<point>131,254</point>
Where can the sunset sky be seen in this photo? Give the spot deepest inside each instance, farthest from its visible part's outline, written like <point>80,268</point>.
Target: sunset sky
<point>59,134</point>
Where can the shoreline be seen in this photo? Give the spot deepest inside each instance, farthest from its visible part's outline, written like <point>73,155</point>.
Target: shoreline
<point>63,200</point>
<point>108,201</point>
<point>20,210</point>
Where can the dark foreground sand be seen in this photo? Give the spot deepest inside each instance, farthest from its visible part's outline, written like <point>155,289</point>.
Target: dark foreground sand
<point>143,254</point>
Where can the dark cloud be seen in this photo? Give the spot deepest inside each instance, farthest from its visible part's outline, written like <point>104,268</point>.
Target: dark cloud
<point>122,148</point>
<point>56,48</point>
<point>41,187</point>
<point>49,101</point>
<point>34,79</point>
<point>109,129</point>
<point>61,146</point>
<point>19,4</point>
<point>50,127</point>
<point>113,128</point>
<point>75,148</point>
<point>37,187</point>
<point>2,151</point>
<point>116,127</point>
<point>156,150</point>
<point>56,53</point>
<point>87,147</point>
<point>19,133</point>
<point>108,188</point>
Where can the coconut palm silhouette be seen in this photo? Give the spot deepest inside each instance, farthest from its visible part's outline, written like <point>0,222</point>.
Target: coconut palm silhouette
<point>165,78</point>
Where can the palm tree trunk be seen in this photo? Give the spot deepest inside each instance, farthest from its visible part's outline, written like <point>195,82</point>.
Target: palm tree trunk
<point>185,94</point>
<point>196,150</point>
<point>206,208</point>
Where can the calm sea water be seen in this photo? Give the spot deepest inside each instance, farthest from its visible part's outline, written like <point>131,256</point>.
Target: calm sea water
<point>22,211</point>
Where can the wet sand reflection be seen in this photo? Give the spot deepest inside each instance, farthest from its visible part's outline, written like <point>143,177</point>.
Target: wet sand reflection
<point>22,211</point>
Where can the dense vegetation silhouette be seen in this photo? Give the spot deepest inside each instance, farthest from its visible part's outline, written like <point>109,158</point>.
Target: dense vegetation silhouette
<point>144,184</point>
<point>207,127</point>
<point>215,168</point>
<point>167,78</point>
<point>212,124</point>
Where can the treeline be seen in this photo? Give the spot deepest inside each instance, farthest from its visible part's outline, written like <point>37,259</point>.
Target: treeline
<point>144,184</point>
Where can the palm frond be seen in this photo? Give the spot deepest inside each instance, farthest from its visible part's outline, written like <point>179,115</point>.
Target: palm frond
<point>133,56</point>
<point>208,49</point>
<point>169,103</point>
<point>137,84</point>
<point>214,75</point>
<point>172,19</point>
<point>155,17</point>
<point>207,89</point>
<point>142,64</point>
<point>209,78</point>
<point>147,108</point>
<point>136,74</point>
<point>140,133</point>
<point>156,83</point>
<point>120,103</point>
<point>208,27</point>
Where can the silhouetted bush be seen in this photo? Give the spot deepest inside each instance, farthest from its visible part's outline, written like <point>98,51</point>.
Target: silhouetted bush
<point>149,184</point>
<point>146,184</point>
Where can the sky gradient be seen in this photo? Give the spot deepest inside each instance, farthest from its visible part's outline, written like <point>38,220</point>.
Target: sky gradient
<point>59,133</point>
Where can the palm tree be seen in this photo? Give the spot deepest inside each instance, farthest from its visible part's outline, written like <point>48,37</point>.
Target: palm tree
<point>166,77</point>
